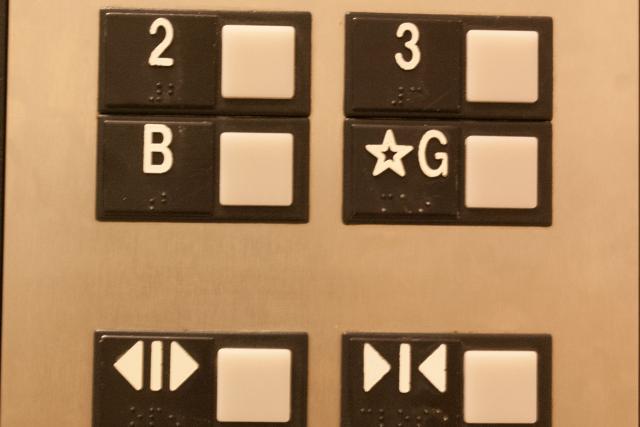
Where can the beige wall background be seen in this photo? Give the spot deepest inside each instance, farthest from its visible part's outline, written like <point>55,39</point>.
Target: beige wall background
<point>67,275</point>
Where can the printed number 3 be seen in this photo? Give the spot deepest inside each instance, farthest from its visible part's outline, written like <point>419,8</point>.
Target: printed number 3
<point>412,45</point>
<point>156,60</point>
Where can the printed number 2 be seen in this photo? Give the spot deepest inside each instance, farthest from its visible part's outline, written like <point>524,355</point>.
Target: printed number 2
<point>156,60</point>
<point>412,45</point>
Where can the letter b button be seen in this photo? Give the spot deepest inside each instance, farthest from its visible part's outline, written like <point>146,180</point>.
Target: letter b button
<point>151,168</point>
<point>162,148</point>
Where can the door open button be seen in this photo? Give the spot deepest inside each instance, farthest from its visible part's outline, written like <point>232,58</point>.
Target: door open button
<point>254,385</point>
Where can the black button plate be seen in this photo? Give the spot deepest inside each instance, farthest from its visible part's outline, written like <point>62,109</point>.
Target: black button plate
<point>377,85</point>
<point>182,192</point>
<point>406,184</point>
<point>375,81</point>
<point>178,180</point>
<point>129,83</point>
<point>186,75</point>
<point>184,391</point>
<point>384,380</point>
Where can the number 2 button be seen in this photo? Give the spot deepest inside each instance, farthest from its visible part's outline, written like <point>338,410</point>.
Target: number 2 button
<point>403,66</point>
<point>158,61</point>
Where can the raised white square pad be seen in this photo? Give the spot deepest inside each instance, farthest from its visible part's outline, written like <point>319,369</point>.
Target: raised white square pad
<point>254,385</point>
<point>501,172</point>
<point>256,169</point>
<point>502,66</point>
<point>501,387</point>
<point>258,61</point>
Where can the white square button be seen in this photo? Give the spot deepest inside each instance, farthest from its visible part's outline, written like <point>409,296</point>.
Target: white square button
<point>256,169</point>
<point>254,385</point>
<point>501,172</point>
<point>258,61</point>
<point>500,387</point>
<point>502,66</point>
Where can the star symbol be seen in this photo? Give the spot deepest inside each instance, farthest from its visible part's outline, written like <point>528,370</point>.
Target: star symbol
<point>389,154</point>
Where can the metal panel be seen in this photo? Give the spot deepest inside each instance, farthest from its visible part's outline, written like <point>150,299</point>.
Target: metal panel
<point>67,274</point>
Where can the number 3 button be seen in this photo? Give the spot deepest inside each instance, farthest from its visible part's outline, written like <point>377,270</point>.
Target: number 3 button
<point>403,64</point>
<point>158,61</point>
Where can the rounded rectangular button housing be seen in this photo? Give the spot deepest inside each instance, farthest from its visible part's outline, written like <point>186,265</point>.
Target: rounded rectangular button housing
<point>253,385</point>
<point>258,61</point>
<point>501,172</point>
<point>500,387</point>
<point>502,66</point>
<point>158,61</point>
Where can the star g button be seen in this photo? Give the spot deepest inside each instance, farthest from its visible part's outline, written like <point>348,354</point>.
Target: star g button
<point>400,173</point>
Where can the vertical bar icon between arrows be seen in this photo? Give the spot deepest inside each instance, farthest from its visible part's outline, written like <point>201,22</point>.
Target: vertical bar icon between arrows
<point>376,367</point>
<point>131,366</point>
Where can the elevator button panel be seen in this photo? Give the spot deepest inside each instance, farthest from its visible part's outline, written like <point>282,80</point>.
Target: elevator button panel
<point>203,169</point>
<point>173,380</point>
<point>443,66</point>
<point>446,380</point>
<point>218,63</point>
<point>447,172</point>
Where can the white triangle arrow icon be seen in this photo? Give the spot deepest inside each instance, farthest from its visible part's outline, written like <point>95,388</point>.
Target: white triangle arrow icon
<point>129,365</point>
<point>434,368</point>
<point>375,367</point>
<point>182,366</point>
